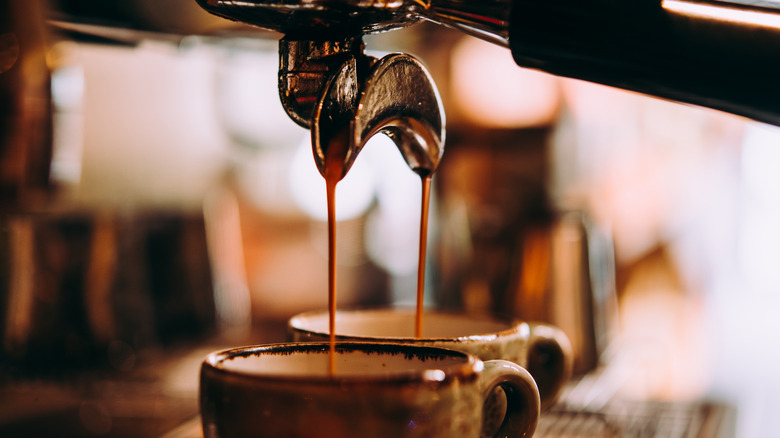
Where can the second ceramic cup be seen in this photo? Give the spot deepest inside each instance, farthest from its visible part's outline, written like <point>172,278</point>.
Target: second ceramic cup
<point>542,349</point>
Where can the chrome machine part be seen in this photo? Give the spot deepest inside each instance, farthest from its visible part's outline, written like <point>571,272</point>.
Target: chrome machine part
<point>318,17</point>
<point>328,84</point>
<point>397,98</point>
<point>486,19</point>
<point>306,66</point>
<point>720,54</point>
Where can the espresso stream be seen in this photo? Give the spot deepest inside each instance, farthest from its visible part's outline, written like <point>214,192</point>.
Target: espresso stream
<point>335,172</point>
<point>426,195</point>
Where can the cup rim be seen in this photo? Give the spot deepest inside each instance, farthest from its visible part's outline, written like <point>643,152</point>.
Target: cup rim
<point>513,326</point>
<point>467,369</point>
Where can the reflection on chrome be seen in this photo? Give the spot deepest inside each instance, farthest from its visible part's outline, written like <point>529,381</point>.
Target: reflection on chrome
<point>736,13</point>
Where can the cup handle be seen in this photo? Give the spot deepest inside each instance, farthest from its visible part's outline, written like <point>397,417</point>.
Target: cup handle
<point>549,359</point>
<point>522,396</point>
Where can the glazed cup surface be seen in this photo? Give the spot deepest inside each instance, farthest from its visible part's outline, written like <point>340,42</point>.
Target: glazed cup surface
<point>377,390</point>
<point>542,349</point>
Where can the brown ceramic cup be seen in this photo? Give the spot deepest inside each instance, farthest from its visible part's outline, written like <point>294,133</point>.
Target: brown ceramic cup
<point>368,390</point>
<point>542,349</point>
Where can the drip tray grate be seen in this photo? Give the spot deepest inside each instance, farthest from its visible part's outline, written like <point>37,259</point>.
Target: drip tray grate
<point>639,420</point>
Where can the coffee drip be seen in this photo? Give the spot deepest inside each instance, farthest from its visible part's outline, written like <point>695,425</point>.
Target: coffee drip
<point>360,98</point>
<point>426,197</point>
<point>333,174</point>
<point>328,84</point>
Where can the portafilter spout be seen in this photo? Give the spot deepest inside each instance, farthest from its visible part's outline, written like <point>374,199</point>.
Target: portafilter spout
<point>346,97</point>
<point>328,84</point>
<point>396,97</point>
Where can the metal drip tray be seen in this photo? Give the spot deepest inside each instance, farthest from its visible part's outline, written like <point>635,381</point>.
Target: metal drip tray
<point>575,424</point>
<point>626,420</point>
<point>640,420</point>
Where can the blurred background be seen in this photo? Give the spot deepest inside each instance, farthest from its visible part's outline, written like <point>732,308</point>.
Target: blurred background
<point>188,215</point>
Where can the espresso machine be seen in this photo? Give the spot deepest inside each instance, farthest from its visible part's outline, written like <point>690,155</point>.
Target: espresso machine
<point>715,54</point>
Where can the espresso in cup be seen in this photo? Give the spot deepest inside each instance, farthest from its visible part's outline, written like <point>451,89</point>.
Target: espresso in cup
<point>380,390</point>
<point>542,349</point>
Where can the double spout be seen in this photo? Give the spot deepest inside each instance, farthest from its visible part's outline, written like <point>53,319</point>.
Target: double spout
<point>346,97</point>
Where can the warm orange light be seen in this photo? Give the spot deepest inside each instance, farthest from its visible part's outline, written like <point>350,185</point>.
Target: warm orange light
<point>722,13</point>
<point>490,90</point>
